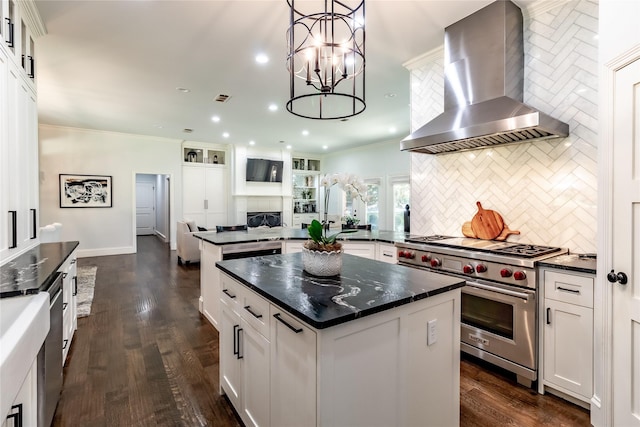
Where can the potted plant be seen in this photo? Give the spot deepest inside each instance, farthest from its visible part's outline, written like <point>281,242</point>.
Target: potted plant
<point>322,254</point>
<point>351,221</point>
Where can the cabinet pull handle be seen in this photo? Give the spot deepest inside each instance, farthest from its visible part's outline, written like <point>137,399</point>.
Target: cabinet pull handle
<point>14,228</point>
<point>31,69</point>
<point>17,417</point>
<point>206,204</point>
<point>10,26</point>
<point>240,355</point>
<point>64,275</point>
<point>573,291</point>
<point>296,330</point>
<point>236,350</point>
<point>226,291</point>
<point>73,261</point>
<point>75,285</point>
<point>33,224</point>
<point>64,306</point>
<point>64,346</point>
<point>257,316</point>
<point>387,255</point>
<point>548,315</point>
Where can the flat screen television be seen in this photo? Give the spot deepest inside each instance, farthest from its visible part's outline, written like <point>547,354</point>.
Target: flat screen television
<point>263,170</point>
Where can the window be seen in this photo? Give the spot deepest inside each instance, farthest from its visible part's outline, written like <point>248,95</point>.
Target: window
<point>401,191</point>
<point>372,212</point>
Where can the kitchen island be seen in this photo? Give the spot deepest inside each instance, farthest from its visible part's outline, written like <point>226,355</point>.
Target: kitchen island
<point>378,345</point>
<point>216,247</point>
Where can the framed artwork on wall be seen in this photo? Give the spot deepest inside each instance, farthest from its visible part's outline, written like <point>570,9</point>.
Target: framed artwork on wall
<point>85,191</point>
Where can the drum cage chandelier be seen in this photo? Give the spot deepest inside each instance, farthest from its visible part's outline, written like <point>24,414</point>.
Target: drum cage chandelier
<point>326,60</point>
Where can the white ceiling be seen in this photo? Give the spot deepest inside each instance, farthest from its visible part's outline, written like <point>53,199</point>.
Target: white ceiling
<point>115,66</point>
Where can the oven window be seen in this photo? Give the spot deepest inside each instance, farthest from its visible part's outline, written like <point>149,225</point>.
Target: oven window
<point>488,315</point>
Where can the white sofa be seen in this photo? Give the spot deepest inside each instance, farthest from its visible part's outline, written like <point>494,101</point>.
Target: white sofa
<point>187,244</point>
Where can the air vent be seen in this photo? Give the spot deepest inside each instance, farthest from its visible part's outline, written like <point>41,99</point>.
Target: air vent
<point>187,130</point>
<point>222,98</point>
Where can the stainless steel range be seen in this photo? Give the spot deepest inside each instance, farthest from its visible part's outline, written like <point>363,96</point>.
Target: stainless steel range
<point>499,301</point>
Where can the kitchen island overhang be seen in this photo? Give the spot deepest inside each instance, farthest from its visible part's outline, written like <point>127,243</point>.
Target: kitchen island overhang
<point>378,345</point>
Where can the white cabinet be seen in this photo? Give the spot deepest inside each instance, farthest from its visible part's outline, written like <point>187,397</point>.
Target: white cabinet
<point>386,252</point>
<point>378,370</point>
<point>18,158</point>
<point>362,249</point>
<point>567,329</point>
<point>69,302</point>
<point>205,193</point>
<point>244,352</point>
<point>305,218</point>
<point>293,371</point>
<point>25,405</point>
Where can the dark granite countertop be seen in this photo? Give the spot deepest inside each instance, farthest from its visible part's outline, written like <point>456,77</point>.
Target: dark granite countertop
<point>286,233</point>
<point>365,286</point>
<point>34,270</point>
<point>571,262</point>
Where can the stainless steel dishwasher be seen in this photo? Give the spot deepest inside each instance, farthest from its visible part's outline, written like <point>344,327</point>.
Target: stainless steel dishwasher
<point>50,358</point>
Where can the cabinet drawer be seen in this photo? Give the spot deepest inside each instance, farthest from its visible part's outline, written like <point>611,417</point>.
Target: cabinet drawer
<point>569,288</point>
<point>387,253</point>
<point>255,310</point>
<point>232,294</point>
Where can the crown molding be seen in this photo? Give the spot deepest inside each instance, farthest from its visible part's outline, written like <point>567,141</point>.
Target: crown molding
<point>32,17</point>
<point>425,58</point>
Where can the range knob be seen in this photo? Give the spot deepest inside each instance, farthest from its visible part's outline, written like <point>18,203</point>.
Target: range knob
<point>520,275</point>
<point>506,272</point>
<point>410,255</point>
<point>481,268</point>
<point>467,269</point>
<point>400,254</point>
<point>426,258</point>
<point>435,262</point>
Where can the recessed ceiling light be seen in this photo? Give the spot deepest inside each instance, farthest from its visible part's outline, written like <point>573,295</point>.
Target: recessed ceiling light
<point>225,135</point>
<point>325,147</point>
<point>252,143</point>
<point>305,132</point>
<point>392,129</point>
<point>344,120</point>
<point>288,147</point>
<point>261,58</point>
<point>215,119</point>
<point>273,107</point>
<point>390,95</point>
<point>183,89</point>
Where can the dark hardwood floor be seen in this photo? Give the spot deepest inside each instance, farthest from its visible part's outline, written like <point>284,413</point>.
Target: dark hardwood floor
<point>146,357</point>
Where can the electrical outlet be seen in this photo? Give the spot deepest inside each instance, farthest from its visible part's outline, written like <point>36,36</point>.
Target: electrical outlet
<point>432,331</point>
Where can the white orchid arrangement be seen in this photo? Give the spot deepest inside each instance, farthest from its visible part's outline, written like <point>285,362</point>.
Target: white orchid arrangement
<point>317,232</point>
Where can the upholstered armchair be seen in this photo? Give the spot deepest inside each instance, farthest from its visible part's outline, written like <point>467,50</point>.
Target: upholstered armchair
<point>187,244</point>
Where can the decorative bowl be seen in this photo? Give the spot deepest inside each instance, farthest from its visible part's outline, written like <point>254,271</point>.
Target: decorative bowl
<point>322,263</point>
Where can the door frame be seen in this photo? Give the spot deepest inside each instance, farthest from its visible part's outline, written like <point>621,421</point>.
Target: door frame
<point>601,401</point>
<point>171,208</point>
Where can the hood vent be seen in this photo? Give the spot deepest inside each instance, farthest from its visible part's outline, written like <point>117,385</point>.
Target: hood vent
<point>483,90</point>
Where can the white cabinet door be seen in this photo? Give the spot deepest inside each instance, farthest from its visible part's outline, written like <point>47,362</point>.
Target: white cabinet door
<point>210,282</point>
<point>254,353</point>
<point>230,367</point>
<point>215,196</point>
<point>293,372</point>
<point>193,194</point>
<point>568,348</point>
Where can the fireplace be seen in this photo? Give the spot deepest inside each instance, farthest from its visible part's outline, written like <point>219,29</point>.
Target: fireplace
<point>262,219</point>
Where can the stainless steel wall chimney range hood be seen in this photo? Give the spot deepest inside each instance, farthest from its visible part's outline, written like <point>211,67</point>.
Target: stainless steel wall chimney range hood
<point>484,79</point>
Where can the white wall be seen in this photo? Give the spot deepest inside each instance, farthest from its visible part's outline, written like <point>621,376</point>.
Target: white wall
<point>104,231</point>
<point>382,161</point>
<point>545,189</point>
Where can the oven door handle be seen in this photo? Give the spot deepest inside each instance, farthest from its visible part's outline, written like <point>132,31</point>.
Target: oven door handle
<point>523,295</point>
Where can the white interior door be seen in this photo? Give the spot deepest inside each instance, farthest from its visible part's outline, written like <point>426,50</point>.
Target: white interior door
<point>626,248</point>
<point>145,208</point>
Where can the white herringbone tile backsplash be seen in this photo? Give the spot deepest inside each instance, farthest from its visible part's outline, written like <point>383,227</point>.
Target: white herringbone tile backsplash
<point>545,189</point>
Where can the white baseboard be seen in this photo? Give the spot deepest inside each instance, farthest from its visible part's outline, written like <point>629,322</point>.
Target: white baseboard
<point>85,253</point>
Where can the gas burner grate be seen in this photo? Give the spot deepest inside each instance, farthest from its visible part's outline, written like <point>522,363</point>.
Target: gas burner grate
<point>424,239</point>
<point>527,251</point>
